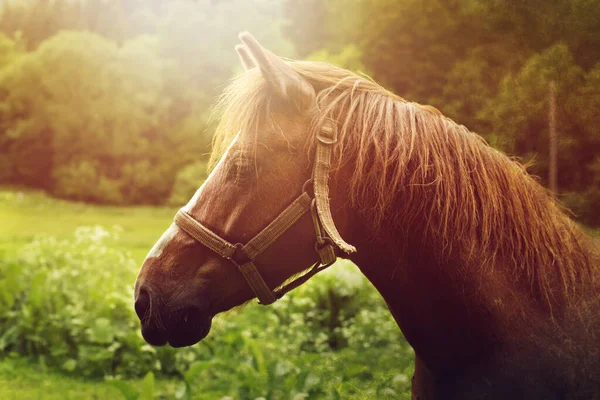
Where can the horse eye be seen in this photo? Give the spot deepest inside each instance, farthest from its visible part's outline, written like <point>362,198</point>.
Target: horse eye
<point>241,169</point>
<point>245,167</point>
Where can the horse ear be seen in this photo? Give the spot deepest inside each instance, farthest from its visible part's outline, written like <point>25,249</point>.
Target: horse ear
<point>281,78</point>
<point>245,57</point>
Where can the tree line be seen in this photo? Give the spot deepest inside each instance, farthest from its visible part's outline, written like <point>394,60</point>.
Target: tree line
<point>487,64</point>
<point>107,101</point>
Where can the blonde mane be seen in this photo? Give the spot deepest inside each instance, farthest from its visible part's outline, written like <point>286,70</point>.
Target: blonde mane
<point>415,166</point>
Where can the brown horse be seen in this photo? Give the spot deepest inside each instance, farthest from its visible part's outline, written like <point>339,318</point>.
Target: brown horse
<point>493,286</point>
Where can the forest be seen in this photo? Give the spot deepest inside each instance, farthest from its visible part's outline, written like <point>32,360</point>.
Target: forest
<point>97,96</point>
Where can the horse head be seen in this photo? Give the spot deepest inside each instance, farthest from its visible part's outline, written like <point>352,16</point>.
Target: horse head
<point>262,215</point>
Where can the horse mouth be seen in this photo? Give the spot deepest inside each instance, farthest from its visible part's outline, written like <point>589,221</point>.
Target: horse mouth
<point>183,338</point>
<point>183,331</point>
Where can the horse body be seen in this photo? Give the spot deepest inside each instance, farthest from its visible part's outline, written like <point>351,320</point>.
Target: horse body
<point>479,338</point>
<point>493,286</point>
<point>477,334</point>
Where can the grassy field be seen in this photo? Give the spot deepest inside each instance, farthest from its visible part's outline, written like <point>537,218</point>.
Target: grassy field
<point>238,341</point>
<point>27,214</point>
<point>23,380</point>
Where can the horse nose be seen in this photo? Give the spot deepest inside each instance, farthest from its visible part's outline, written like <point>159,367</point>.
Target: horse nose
<point>142,303</point>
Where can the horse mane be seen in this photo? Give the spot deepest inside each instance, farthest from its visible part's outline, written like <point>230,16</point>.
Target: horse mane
<point>414,165</point>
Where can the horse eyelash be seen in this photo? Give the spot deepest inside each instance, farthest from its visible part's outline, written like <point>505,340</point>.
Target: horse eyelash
<point>242,168</point>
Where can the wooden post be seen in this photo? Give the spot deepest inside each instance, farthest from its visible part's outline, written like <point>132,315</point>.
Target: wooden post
<point>553,147</point>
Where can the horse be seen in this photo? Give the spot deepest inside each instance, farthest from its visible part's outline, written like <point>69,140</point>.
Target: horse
<point>489,280</point>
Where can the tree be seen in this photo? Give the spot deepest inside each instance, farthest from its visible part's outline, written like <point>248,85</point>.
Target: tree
<point>97,113</point>
<point>80,108</point>
<point>486,64</point>
<point>519,115</point>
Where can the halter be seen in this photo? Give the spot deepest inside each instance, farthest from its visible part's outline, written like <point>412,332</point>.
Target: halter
<point>243,255</point>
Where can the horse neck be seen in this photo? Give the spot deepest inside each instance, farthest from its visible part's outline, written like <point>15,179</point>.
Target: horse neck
<point>450,308</point>
<point>424,296</point>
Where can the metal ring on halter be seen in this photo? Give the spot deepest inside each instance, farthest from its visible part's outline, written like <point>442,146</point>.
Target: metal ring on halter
<point>325,139</point>
<point>326,134</point>
<point>305,187</point>
<point>239,257</point>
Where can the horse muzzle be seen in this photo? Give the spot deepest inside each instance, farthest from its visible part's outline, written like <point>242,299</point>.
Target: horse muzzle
<point>177,325</point>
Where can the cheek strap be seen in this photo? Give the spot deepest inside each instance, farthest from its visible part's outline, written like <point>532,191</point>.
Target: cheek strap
<point>326,138</point>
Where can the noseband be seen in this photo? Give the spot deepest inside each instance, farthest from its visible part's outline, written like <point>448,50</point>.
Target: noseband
<point>327,235</point>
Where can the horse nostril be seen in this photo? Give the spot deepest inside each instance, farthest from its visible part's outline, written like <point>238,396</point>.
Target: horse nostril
<point>142,304</point>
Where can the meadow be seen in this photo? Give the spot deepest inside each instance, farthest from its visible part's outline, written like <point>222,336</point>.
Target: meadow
<point>26,214</point>
<point>67,328</point>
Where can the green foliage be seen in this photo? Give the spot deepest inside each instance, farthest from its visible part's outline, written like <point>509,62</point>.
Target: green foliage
<point>486,64</point>
<point>131,393</point>
<point>66,302</point>
<point>107,94</point>
<point>100,115</point>
<point>315,25</point>
<point>60,302</point>
<point>519,115</point>
<point>38,20</point>
<point>350,58</point>
<point>9,50</point>
<point>584,205</point>
<point>82,181</point>
<point>522,102</point>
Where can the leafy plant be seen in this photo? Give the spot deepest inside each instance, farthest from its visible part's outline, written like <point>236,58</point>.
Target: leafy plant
<point>68,304</point>
<point>130,392</point>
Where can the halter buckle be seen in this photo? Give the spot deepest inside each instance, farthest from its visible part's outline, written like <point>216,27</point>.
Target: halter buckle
<point>239,257</point>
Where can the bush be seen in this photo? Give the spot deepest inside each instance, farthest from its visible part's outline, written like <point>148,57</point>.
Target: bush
<point>584,205</point>
<point>69,304</point>
<point>136,183</point>
<point>83,181</point>
<point>188,180</point>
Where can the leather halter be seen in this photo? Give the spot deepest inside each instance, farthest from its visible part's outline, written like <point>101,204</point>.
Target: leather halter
<point>243,255</point>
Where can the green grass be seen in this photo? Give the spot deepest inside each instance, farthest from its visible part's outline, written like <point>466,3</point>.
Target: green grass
<point>23,380</point>
<point>26,214</point>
